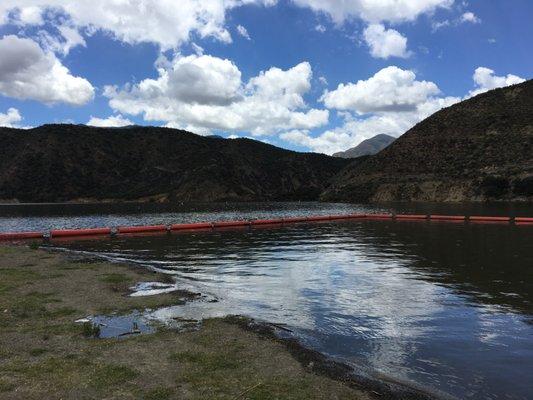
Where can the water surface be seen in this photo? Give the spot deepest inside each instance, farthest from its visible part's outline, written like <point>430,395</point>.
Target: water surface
<point>448,306</point>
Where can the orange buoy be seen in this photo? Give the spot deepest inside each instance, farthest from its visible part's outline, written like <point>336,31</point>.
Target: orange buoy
<point>410,216</point>
<point>141,229</point>
<point>447,217</point>
<point>20,235</point>
<point>79,232</point>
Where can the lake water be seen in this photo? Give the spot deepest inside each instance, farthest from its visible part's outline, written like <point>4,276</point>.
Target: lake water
<point>447,306</point>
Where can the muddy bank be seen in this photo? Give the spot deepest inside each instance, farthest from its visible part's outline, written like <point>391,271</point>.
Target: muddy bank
<point>383,388</point>
<point>44,353</point>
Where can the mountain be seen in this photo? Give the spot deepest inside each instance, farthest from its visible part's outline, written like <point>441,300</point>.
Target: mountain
<point>55,163</point>
<point>478,150</point>
<point>367,147</point>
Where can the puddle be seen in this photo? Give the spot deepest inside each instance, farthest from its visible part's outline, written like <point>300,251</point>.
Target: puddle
<point>119,326</point>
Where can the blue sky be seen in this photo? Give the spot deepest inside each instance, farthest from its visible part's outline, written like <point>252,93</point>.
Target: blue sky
<point>306,75</point>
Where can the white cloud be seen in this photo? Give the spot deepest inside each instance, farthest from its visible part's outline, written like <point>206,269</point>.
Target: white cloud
<point>170,24</point>
<point>374,10</point>
<point>114,121</point>
<point>391,89</point>
<point>385,43</point>
<point>204,93</point>
<point>198,50</point>
<point>67,39</point>
<point>485,80</point>
<point>356,129</point>
<point>167,23</point>
<point>467,17</point>
<point>436,25</point>
<point>320,28</point>
<point>390,102</point>
<point>241,30</point>
<point>11,118</point>
<point>470,17</point>
<point>28,72</point>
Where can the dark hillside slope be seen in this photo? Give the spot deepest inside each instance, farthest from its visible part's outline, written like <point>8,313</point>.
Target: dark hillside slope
<point>55,163</point>
<point>480,149</point>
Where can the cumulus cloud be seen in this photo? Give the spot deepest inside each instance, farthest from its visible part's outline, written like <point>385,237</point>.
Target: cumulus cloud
<point>28,72</point>
<point>355,129</point>
<point>390,102</point>
<point>485,79</point>
<point>204,93</point>
<point>170,24</point>
<point>385,43</point>
<point>166,23</point>
<point>470,17</point>
<point>114,121</point>
<point>376,10</point>
<point>390,89</point>
<point>11,118</point>
<point>241,30</point>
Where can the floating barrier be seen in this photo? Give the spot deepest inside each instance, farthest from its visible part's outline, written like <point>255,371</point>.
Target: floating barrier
<point>231,224</point>
<point>380,216</point>
<point>142,229</point>
<point>407,216</point>
<point>447,217</point>
<point>21,235</point>
<point>188,227</point>
<point>277,221</point>
<point>129,230</point>
<point>523,220</point>
<point>79,232</point>
<point>489,219</point>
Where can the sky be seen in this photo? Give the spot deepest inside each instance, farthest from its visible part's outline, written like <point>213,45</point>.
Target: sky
<point>307,75</point>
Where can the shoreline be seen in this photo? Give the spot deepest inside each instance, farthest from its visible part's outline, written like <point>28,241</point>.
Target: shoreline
<point>45,292</point>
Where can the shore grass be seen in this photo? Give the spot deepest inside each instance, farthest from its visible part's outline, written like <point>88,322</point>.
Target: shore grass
<point>44,354</point>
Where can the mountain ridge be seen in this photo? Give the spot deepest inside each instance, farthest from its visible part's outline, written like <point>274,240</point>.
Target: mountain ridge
<point>367,147</point>
<point>55,162</point>
<point>480,149</point>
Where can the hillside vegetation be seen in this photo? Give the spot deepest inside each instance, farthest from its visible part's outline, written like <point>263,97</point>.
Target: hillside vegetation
<point>55,163</point>
<point>480,149</point>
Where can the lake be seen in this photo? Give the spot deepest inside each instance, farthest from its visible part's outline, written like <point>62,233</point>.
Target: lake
<point>444,306</point>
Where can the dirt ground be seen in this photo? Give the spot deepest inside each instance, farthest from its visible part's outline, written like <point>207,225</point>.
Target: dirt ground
<point>44,354</point>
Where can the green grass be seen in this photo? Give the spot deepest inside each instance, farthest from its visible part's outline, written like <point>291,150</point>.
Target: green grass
<point>111,375</point>
<point>6,386</point>
<point>210,362</point>
<point>159,394</point>
<point>18,275</point>
<point>33,305</point>
<point>117,282</point>
<point>37,352</point>
<point>90,330</point>
<point>115,279</point>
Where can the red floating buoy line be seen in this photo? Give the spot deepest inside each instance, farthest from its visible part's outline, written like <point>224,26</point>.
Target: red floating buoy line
<point>129,230</point>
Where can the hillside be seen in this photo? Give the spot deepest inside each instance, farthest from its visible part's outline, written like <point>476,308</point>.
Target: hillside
<point>480,149</point>
<point>55,163</point>
<point>367,147</point>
